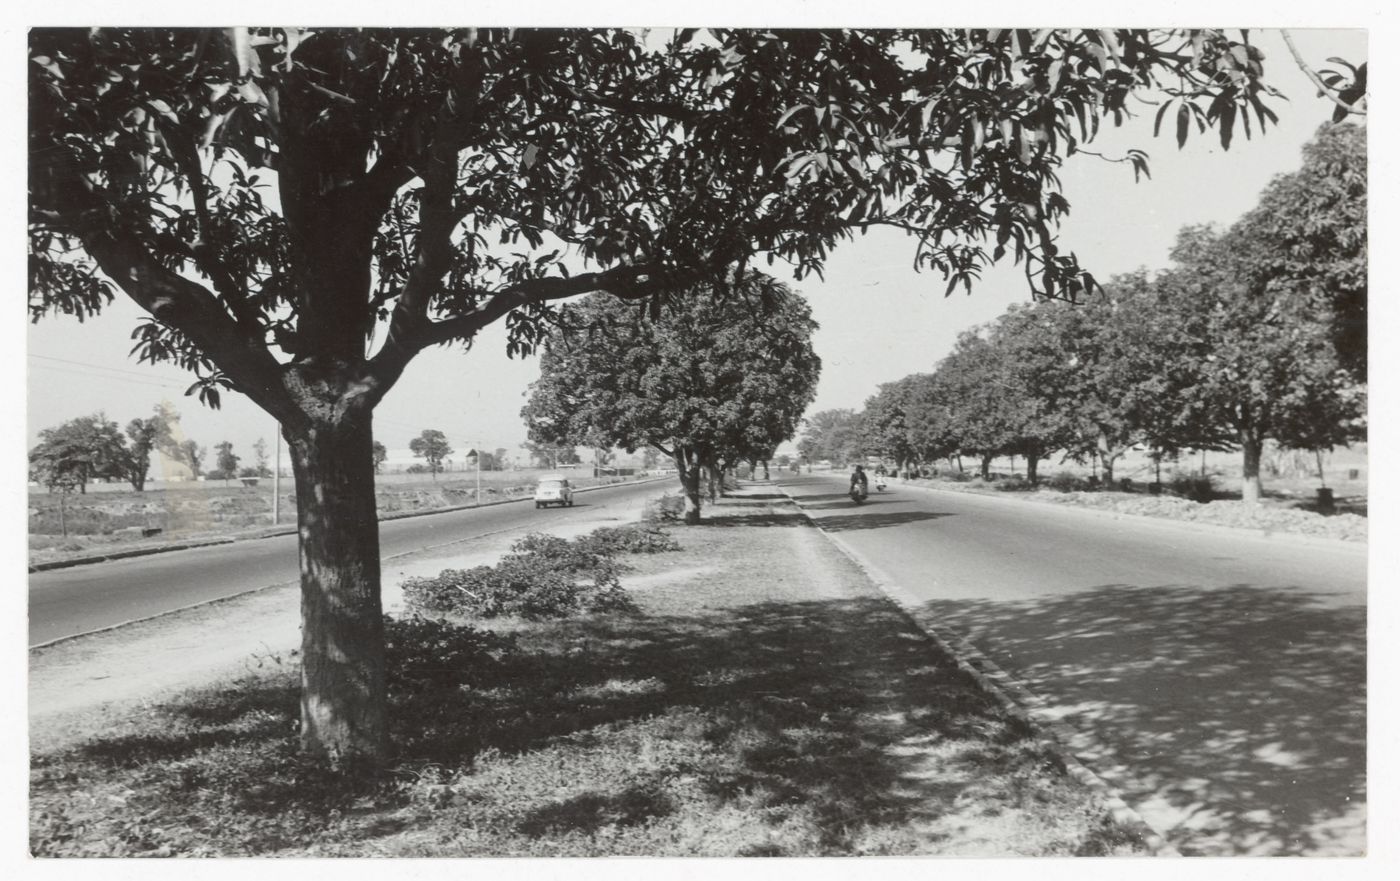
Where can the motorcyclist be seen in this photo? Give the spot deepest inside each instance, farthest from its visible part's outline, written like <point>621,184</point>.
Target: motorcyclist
<point>858,478</point>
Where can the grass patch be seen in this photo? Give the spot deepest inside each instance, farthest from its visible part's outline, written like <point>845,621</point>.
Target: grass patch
<point>753,711</point>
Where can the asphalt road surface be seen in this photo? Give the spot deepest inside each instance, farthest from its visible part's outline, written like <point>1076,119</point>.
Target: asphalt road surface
<point>1217,678</point>
<point>67,602</point>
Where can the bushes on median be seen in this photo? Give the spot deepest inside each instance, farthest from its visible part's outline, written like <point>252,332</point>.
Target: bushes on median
<point>544,576</point>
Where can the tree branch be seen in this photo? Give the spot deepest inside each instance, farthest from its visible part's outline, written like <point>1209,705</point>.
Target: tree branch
<point>626,282</point>
<point>628,105</point>
<point>1317,80</point>
<point>177,302</point>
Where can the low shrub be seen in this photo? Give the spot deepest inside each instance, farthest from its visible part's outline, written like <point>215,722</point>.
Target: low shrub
<point>544,576</point>
<point>1013,484</point>
<point>1065,482</point>
<point>667,509</point>
<point>633,539</point>
<point>1196,487</point>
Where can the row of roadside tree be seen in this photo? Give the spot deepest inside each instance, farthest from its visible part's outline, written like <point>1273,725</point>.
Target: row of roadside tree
<point>1256,333</point>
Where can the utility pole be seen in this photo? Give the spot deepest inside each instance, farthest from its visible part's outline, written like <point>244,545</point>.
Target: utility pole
<point>478,474</point>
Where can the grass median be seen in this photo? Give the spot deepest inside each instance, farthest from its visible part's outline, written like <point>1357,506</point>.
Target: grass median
<point>761,700</point>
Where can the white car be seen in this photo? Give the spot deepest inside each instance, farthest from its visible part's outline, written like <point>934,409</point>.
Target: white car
<point>554,489</point>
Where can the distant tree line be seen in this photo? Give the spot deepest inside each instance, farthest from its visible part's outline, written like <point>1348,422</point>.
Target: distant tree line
<point>75,453</point>
<point>1256,333</point>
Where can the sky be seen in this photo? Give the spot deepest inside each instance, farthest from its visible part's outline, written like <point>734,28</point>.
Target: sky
<point>880,320</point>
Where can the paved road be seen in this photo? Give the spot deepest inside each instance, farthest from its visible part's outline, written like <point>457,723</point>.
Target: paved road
<point>64,602</point>
<point>1217,677</point>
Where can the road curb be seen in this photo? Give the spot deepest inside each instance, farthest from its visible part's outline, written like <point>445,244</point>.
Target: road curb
<point>290,530</point>
<point>1010,694</point>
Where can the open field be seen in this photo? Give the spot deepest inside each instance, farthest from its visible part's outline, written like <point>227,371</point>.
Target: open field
<point>111,516</point>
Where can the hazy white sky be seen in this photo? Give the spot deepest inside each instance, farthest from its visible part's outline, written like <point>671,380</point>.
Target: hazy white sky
<point>879,319</point>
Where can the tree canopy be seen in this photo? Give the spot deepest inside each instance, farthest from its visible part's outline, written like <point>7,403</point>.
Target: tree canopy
<point>431,446</point>
<point>835,435</point>
<point>703,382</point>
<point>78,451</point>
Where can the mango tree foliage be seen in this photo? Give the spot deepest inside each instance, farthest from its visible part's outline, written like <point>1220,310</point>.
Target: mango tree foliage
<point>929,427</point>
<point>978,399</point>
<point>1271,368</point>
<point>1032,377</point>
<point>432,447</point>
<point>887,417</point>
<point>835,435</point>
<point>1308,234</point>
<point>300,212</point>
<point>700,382</point>
<point>147,435</point>
<point>79,451</point>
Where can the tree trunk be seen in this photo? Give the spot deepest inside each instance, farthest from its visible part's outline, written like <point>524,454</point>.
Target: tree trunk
<point>765,470</point>
<point>690,485</point>
<point>1251,489</point>
<point>1033,469</point>
<point>343,712</point>
<point>987,467</point>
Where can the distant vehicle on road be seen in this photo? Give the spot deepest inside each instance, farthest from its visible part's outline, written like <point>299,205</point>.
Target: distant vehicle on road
<point>554,489</point>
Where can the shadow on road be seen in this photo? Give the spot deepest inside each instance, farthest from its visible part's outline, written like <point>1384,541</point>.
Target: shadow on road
<point>854,521</point>
<point>1242,709</point>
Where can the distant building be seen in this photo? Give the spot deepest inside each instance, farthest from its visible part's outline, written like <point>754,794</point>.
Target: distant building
<point>167,469</point>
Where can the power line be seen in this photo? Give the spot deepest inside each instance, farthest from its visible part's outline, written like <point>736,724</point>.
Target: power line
<point>138,373</point>
<point>108,376</point>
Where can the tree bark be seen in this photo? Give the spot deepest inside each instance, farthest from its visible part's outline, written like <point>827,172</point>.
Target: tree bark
<point>1033,469</point>
<point>986,467</point>
<point>690,484</point>
<point>1251,488</point>
<point>343,669</point>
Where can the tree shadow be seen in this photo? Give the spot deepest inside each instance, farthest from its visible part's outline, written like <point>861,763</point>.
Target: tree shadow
<point>793,518</point>
<point>800,693</point>
<point>850,522</point>
<point>1242,710</point>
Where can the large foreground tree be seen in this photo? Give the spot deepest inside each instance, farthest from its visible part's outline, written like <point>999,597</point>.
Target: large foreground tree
<point>301,212</point>
<point>702,382</point>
